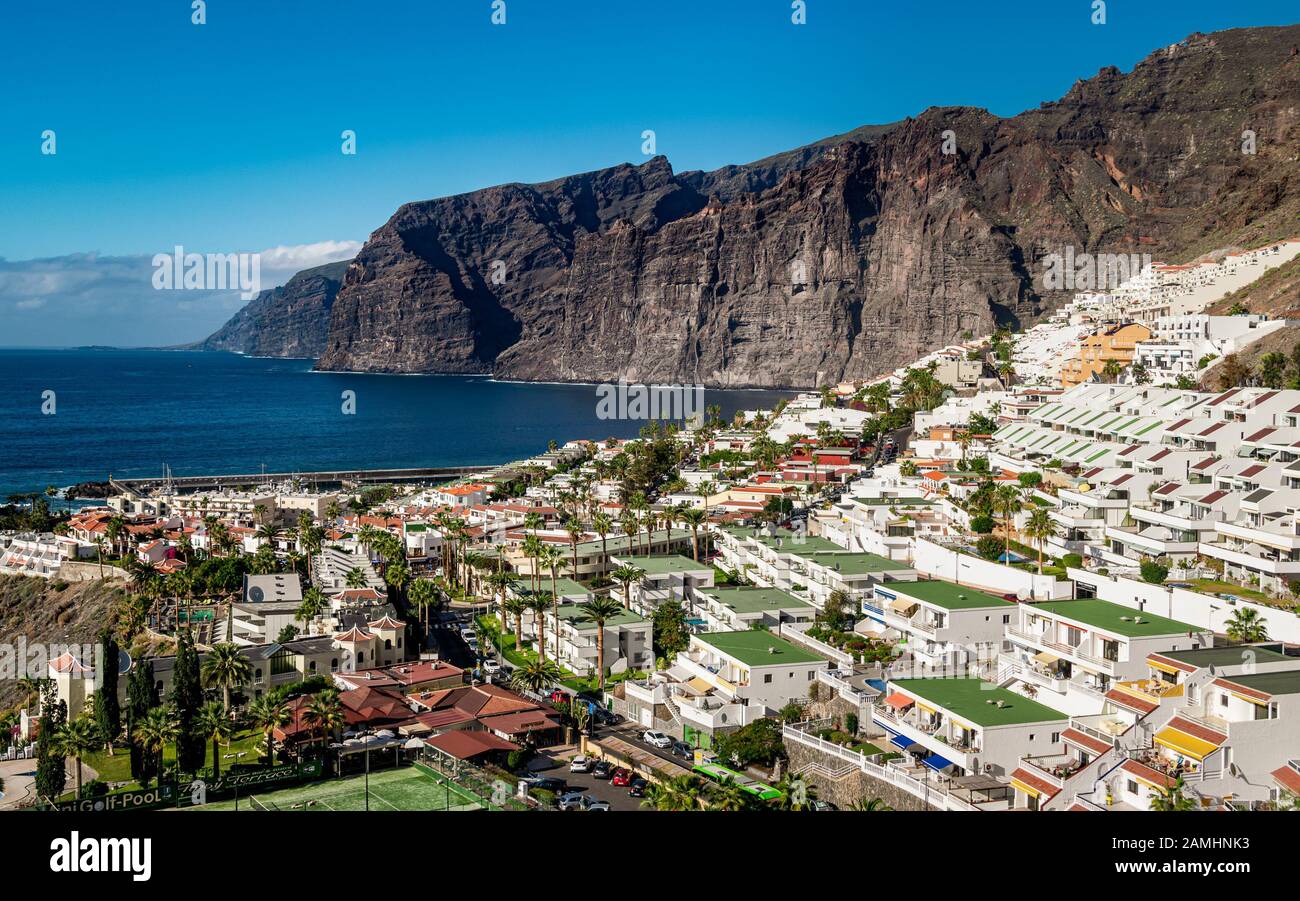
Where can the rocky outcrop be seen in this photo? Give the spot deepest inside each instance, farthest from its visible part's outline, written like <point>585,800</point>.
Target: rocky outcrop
<point>838,260</point>
<point>289,321</point>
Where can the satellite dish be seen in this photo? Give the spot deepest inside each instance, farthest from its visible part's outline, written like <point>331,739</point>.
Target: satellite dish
<point>256,594</point>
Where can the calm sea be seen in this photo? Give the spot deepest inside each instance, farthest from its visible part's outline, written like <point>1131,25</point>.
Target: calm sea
<point>129,412</point>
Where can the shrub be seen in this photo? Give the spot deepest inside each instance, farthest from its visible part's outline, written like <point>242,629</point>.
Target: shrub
<point>1154,572</point>
<point>1072,560</point>
<point>981,525</point>
<point>851,724</point>
<point>516,760</point>
<point>988,547</point>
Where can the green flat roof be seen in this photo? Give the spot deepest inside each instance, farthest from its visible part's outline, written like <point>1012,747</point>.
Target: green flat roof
<point>664,564</point>
<point>948,595</point>
<point>564,585</point>
<point>894,501</point>
<point>754,599</point>
<point>857,563</point>
<point>573,613</point>
<point>1235,656</point>
<point>1285,683</point>
<point>754,647</point>
<point>968,699</point>
<point>615,544</point>
<point>1108,616</point>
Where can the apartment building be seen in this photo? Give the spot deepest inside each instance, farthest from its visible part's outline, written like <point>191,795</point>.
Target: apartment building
<point>731,609</point>
<point>1115,343</point>
<point>939,623</point>
<point>667,577</point>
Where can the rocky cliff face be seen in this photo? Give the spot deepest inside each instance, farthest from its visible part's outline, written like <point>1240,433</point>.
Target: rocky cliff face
<point>838,260</point>
<point>289,321</point>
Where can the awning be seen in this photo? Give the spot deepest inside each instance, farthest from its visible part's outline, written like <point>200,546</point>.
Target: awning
<point>902,605</point>
<point>926,707</point>
<point>901,742</point>
<point>937,763</point>
<point>1187,745</point>
<point>1163,667</point>
<point>700,684</point>
<point>1046,659</point>
<point>899,701</point>
<point>1026,788</point>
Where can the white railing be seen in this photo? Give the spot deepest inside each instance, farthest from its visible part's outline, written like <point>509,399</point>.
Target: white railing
<point>793,632</point>
<point>936,795</point>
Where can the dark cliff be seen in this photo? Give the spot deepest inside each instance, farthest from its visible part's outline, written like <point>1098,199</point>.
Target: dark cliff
<point>842,259</point>
<point>289,321</point>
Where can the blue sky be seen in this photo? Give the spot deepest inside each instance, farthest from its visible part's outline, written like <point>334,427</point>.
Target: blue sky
<point>226,136</point>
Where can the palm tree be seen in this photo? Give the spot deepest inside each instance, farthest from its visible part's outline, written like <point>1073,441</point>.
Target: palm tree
<point>213,723</point>
<point>313,605</point>
<point>728,795</point>
<point>677,794</point>
<point>694,517</point>
<point>1040,528</point>
<point>551,558</point>
<point>869,805</point>
<point>1173,798</point>
<point>78,738</point>
<point>268,713</point>
<point>574,528</point>
<point>599,610</point>
<point>532,548</point>
<point>1247,625</point>
<point>796,793</point>
<point>602,525</point>
<point>628,523</point>
<point>423,595</point>
<point>515,606</point>
<point>33,687</point>
<point>397,574</point>
<point>627,575</point>
<point>356,578</point>
<point>154,733</point>
<point>537,675</point>
<point>1007,502</point>
<point>324,712</point>
<point>500,582</point>
<point>225,668</point>
<point>539,602</point>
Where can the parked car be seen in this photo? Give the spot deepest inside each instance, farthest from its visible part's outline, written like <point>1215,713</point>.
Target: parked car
<point>580,764</point>
<point>546,783</point>
<point>621,776</point>
<point>602,770</point>
<point>821,805</point>
<point>491,666</point>
<point>636,788</point>
<point>683,750</point>
<point>571,801</point>
<point>658,739</point>
<point>590,803</point>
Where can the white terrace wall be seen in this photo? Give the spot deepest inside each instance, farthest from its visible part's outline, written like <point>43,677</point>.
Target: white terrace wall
<point>939,562</point>
<point>1186,606</point>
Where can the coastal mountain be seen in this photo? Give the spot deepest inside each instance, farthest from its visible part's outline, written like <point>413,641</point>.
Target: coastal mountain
<point>842,259</point>
<point>289,321</point>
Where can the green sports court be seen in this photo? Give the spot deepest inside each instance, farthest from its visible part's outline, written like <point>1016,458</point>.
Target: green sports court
<point>405,788</point>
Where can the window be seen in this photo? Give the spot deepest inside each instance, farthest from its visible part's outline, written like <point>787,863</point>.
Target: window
<point>1131,787</point>
<point>767,678</point>
<point>1056,736</point>
<point>1223,700</point>
<point>811,675</point>
<point>388,644</point>
<point>334,664</point>
<point>1006,620</point>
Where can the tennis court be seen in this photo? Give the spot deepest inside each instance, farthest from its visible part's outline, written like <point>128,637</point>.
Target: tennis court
<point>405,788</point>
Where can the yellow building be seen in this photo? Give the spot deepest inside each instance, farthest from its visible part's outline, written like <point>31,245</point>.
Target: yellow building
<point>1115,342</point>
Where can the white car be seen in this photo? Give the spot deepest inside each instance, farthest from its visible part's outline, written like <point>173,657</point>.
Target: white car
<point>491,666</point>
<point>580,764</point>
<point>658,739</point>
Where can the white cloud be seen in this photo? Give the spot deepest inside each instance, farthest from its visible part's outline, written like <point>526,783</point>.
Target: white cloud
<point>85,298</point>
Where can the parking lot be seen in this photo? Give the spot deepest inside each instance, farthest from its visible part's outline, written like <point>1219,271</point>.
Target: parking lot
<point>601,789</point>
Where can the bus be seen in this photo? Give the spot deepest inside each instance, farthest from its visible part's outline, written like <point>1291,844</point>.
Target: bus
<point>717,773</point>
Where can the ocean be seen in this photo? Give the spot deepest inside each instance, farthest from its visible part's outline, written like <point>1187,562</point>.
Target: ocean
<point>129,412</point>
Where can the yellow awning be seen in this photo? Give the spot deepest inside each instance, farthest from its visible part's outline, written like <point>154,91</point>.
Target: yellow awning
<point>902,605</point>
<point>926,707</point>
<point>1163,667</point>
<point>1045,658</point>
<point>1248,699</point>
<point>1187,745</point>
<point>700,684</point>
<point>1027,789</point>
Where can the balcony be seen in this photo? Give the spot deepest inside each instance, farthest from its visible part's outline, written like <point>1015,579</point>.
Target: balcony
<point>1153,690</point>
<point>1053,768</point>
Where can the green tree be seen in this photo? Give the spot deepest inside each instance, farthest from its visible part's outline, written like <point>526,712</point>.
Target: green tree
<point>153,734</point>
<point>758,742</point>
<point>227,669</point>
<point>537,675</point>
<point>1154,571</point>
<point>108,710</point>
<point>51,767</point>
<point>269,713</point>
<point>77,739</point>
<point>213,723</point>
<point>1039,528</point>
<point>1173,798</point>
<point>599,610</point>
<point>1247,625</point>
<point>670,632</point>
<point>627,576</point>
<point>186,697</point>
<point>141,697</point>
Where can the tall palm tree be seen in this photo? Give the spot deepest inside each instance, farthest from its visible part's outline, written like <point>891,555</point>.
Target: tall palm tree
<point>1039,528</point>
<point>214,724</point>
<point>539,602</point>
<point>1007,502</point>
<point>627,521</point>
<point>575,530</point>
<point>423,595</point>
<point>551,558</point>
<point>500,582</point>
<point>313,605</point>
<point>356,578</point>
<point>627,575</point>
<point>537,675</point>
<point>869,805</point>
<point>694,517</point>
<point>153,733</point>
<point>76,739</point>
<point>515,606</point>
<point>268,713</point>
<point>1247,625</point>
<point>599,610</point>
<point>532,548</point>
<point>728,795</point>
<point>225,668</point>
<point>680,793</point>
<point>602,525</point>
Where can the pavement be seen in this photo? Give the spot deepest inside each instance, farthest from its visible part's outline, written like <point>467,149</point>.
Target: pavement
<point>555,762</point>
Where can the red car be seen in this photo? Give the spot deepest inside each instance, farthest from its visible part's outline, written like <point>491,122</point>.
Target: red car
<point>621,777</point>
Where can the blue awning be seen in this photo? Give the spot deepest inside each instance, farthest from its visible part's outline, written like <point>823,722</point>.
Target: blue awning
<point>902,741</point>
<point>937,763</point>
